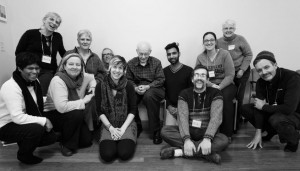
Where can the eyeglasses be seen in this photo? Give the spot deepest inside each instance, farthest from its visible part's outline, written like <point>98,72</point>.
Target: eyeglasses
<point>110,54</point>
<point>200,75</point>
<point>210,40</point>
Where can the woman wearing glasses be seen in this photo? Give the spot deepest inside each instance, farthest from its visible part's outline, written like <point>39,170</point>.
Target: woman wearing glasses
<point>221,74</point>
<point>44,42</point>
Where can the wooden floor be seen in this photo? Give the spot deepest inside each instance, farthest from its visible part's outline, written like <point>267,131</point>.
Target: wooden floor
<point>235,157</point>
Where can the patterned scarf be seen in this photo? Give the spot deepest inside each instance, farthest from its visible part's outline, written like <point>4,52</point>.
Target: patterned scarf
<point>30,106</point>
<point>114,107</point>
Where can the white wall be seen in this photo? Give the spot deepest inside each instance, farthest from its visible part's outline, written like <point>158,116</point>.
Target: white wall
<point>120,24</point>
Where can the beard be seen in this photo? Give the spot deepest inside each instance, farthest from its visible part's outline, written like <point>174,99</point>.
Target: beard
<point>173,61</point>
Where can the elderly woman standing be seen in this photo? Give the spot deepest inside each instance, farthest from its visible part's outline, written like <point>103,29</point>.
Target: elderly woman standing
<point>221,73</point>
<point>93,64</point>
<point>44,42</point>
<point>66,101</point>
<point>116,101</point>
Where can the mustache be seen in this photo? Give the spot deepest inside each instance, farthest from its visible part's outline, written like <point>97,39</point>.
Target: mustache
<point>199,80</point>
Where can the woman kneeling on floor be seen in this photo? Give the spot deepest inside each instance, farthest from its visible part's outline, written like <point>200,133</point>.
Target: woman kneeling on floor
<point>116,106</point>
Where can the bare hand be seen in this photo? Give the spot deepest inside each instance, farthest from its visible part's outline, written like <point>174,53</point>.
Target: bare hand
<point>258,104</point>
<point>172,110</point>
<point>239,74</point>
<point>205,146</point>
<point>189,148</point>
<point>114,133</point>
<point>139,91</point>
<point>256,141</point>
<point>216,86</point>
<point>48,125</point>
<point>91,90</point>
<point>87,98</point>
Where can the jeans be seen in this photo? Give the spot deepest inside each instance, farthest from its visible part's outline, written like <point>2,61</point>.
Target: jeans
<point>274,123</point>
<point>171,135</point>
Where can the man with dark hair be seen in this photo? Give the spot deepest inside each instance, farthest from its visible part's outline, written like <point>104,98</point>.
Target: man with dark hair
<point>276,108</point>
<point>177,78</point>
<point>241,54</point>
<point>199,117</point>
<point>21,107</point>
<point>147,76</point>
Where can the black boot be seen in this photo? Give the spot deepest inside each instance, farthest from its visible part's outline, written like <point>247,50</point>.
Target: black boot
<point>156,137</point>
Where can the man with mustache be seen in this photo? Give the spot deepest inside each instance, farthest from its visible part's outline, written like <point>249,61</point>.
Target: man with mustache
<point>178,77</point>
<point>276,108</point>
<point>199,117</point>
<point>241,54</point>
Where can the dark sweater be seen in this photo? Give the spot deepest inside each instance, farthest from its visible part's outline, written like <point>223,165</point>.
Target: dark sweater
<point>93,65</point>
<point>31,42</point>
<point>286,84</point>
<point>176,82</point>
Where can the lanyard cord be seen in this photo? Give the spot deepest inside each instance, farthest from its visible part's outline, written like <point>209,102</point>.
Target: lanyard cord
<point>43,44</point>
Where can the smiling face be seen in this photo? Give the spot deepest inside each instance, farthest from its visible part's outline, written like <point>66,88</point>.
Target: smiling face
<point>30,72</point>
<point>266,69</point>
<point>73,67</point>
<point>84,41</point>
<point>52,22</point>
<point>228,29</point>
<point>107,54</point>
<point>117,71</point>
<point>173,56</point>
<point>209,42</point>
<point>199,79</point>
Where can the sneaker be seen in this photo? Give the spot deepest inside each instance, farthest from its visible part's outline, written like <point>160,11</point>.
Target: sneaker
<point>168,153</point>
<point>213,157</point>
<point>65,151</point>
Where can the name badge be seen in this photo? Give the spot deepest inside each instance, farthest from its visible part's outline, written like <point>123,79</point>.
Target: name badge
<point>211,74</point>
<point>46,59</point>
<point>231,47</point>
<point>196,124</point>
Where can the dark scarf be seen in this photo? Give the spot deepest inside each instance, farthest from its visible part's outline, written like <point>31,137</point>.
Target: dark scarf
<point>114,107</point>
<point>72,84</point>
<point>30,106</point>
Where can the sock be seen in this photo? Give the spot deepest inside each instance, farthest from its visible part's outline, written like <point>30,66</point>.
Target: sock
<point>178,153</point>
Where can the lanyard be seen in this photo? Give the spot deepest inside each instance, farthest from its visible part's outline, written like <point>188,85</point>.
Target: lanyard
<point>43,44</point>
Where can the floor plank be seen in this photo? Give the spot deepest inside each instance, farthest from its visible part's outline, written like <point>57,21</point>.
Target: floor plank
<point>235,157</point>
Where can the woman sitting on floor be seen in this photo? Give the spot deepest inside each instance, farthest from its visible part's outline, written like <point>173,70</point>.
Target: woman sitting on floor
<point>116,106</point>
<point>66,102</point>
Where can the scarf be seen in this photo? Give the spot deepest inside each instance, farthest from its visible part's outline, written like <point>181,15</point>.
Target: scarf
<point>72,84</point>
<point>30,106</point>
<point>114,107</point>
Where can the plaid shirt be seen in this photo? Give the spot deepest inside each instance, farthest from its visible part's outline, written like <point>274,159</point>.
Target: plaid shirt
<point>151,74</point>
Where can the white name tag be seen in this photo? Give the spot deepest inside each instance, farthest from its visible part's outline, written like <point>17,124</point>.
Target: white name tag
<point>211,74</point>
<point>231,47</point>
<point>196,124</point>
<point>46,59</point>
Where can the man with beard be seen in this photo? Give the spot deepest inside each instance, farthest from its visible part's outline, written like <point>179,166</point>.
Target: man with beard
<point>199,117</point>
<point>178,78</point>
<point>241,54</point>
<point>276,108</point>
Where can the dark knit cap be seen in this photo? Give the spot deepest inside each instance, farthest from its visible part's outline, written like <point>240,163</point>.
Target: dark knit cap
<point>264,55</point>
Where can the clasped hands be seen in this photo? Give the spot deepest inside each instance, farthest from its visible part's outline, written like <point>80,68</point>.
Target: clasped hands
<point>258,104</point>
<point>116,133</point>
<point>190,148</point>
<point>141,89</point>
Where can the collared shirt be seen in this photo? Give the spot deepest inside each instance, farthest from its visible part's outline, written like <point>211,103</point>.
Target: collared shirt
<point>151,74</point>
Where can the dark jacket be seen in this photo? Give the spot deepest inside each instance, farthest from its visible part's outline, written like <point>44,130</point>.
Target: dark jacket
<point>283,90</point>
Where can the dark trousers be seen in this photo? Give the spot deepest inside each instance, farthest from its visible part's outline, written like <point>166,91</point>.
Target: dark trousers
<point>110,150</point>
<point>74,131</point>
<point>171,135</point>
<point>228,110</point>
<point>240,83</point>
<point>151,99</point>
<point>45,77</point>
<point>28,137</point>
<point>274,123</point>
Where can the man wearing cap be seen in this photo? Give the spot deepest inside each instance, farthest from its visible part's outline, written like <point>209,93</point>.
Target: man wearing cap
<point>276,108</point>
<point>241,54</point>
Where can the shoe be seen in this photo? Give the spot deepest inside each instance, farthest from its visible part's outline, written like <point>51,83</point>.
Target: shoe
<point>157,138</point>
<point>268,137</point>
<point>65,151</point>
<point>213,157</point>
<point>291,148</point>
<point>168,153</point>
<point>139,129</point>
<point>30,159</point>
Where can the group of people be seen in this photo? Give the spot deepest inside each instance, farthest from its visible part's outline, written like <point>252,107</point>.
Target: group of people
<point>44,103</point>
